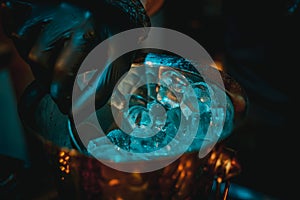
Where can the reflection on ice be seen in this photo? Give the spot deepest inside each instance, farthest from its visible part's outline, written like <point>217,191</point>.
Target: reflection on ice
<point>159,117</point>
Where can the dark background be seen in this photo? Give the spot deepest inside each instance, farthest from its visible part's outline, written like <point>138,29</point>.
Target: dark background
<point>257,43</point>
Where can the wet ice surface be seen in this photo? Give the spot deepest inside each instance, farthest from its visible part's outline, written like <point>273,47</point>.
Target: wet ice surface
<point>169,115</point>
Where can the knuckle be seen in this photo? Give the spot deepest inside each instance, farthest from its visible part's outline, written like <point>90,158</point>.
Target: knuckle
<point>61,69</point>
<point>35,55</point>
<point>61,96</point>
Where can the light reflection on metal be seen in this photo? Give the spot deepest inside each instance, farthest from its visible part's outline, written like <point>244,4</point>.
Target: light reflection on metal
<point>224,165</point>
<point>218,65</point>
<point>186,178</point>
<point>114,182</point>
<point>64,165</point>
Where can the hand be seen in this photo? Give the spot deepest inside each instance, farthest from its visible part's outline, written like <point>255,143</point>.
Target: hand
<point>54,39</point>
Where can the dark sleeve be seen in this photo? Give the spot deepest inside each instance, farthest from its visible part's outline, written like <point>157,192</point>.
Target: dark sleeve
<point>126,9</point>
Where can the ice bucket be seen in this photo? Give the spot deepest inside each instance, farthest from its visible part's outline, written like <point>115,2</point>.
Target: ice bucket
<point>79,174</point>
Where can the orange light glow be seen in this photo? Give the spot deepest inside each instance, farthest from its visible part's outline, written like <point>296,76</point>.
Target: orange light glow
<point>182,175</point>
<point>61,154</point>
<point>180,167</point>
<point>114,182</point>
<point>188,163</point>
<point>218,65</point>
<point>213,156</point>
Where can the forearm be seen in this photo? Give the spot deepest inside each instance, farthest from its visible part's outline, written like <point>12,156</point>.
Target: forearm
<point>38,32</point>
<point>132,9</point>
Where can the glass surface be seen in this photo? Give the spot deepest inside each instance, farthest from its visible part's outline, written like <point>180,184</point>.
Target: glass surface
<point>154,108</point>
<point>81,174</point>
<point>150,116</point>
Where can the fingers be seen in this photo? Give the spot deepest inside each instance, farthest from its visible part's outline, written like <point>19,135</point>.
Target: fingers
<point>59,49</point>
<point>110,77</point>
<point>27,23</point>
<point>55,41</point>
<point>104,82</point>
<point>68,63</point>
<point>43,54</point>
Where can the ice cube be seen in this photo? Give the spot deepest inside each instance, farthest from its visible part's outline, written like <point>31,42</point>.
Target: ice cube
<point>172,86</point>
<point>158,115</point>
<point>202,91</point>
<point>138,116</point>
<point>175,80</point>
<point>120,139</point>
